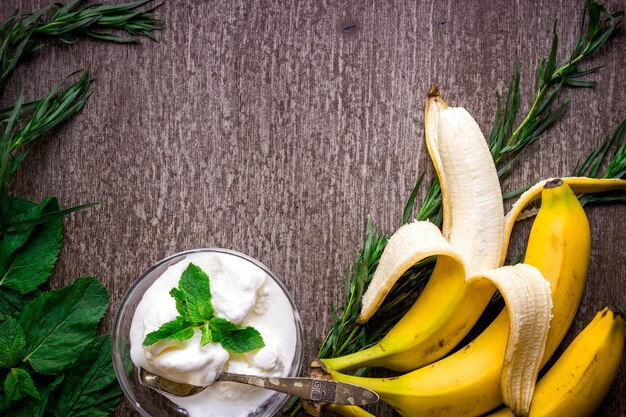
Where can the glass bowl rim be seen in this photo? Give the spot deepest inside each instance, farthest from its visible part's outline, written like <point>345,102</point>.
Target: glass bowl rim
<point>118,362</point>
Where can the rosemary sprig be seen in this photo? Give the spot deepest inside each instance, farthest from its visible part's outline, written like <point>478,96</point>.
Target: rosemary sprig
<point>615,166</point>
<point>92,19</point>
<point>17,141</point>
<point>22,36</point>
<point>590,167</point>
<point>551,78</point>
<point>506,143</point>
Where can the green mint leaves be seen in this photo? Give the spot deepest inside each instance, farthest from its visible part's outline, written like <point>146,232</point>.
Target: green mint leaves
<point>18,385</point>
<point>12,343</point>
<point>193,299</point>
<point>193,303</point>
<point>51,361</point>
<point>234,338</point>
<point>58,324</point>
<point>177,329</point>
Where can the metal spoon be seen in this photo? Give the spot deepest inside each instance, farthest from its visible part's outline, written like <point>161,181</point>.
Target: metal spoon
<point>323,390</point>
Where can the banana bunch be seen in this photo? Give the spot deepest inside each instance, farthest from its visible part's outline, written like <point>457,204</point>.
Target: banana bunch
<point>576,384</point>
<point>502,363</point>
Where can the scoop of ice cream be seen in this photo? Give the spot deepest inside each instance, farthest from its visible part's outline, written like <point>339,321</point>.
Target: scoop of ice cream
<point>188,361</point>
<point>269,359</point>
<point>237,289</point>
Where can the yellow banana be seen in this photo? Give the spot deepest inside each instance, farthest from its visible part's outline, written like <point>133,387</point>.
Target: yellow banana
<point>471,240</point>
<point>467,383</point>
<point>578,382</point>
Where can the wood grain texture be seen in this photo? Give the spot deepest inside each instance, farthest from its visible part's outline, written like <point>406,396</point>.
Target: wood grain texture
<point>275,127</point>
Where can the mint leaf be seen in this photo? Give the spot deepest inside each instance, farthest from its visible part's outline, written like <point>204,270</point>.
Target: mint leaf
<point>33,407</point>
<point>93,372</point>
<point>34,258</point>
<point>18,385</point>
<point>194,286</point>
<point>18,210</point>
<point>12,302</point>
<point>178,329</point>
<point>206,334</point>
<point>234,338</point>
<point>12,343</point>
<point>179,297</point>
<point>58,324</point>
<point>38,408</point>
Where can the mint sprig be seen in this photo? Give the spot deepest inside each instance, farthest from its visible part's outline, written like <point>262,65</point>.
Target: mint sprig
<point>193,298</point>
<point>193,303</point>
<point>234,338</point>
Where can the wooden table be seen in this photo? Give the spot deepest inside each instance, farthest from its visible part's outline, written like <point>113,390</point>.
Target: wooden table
<point>276,128</point>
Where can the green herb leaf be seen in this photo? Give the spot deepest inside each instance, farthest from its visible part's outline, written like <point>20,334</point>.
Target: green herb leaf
<point>35,407</point>
<point>93,372</point>
<point>234,338</point>
<point>408,207</point>
<point>18,209</point>
<point>178,329</point>
<point>30,408</point>
<point>179,297</point>
<point>46,392</point>
<point>19,384</point>
<point>195,290</point>
<point>12,343</point>
<point>32,265</point>
<point>58,324</point>
<point>551,62</point>
<point>12,302</point>
<point>206,334</point>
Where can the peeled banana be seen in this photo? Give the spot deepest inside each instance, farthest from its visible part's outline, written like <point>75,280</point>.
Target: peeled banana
<point>471,240</point>
<point>468,382</point>
<point>581,378</point>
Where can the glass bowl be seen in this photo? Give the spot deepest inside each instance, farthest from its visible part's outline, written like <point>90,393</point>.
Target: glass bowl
<point>148,402</point>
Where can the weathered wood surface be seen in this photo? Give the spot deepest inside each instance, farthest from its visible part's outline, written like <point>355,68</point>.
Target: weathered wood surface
<point>275,128</point>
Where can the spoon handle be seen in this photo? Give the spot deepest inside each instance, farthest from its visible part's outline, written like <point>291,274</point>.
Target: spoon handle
<point>323,390</point>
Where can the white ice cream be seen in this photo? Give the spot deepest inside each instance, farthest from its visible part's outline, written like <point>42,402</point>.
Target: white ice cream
<point>242,293</point>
